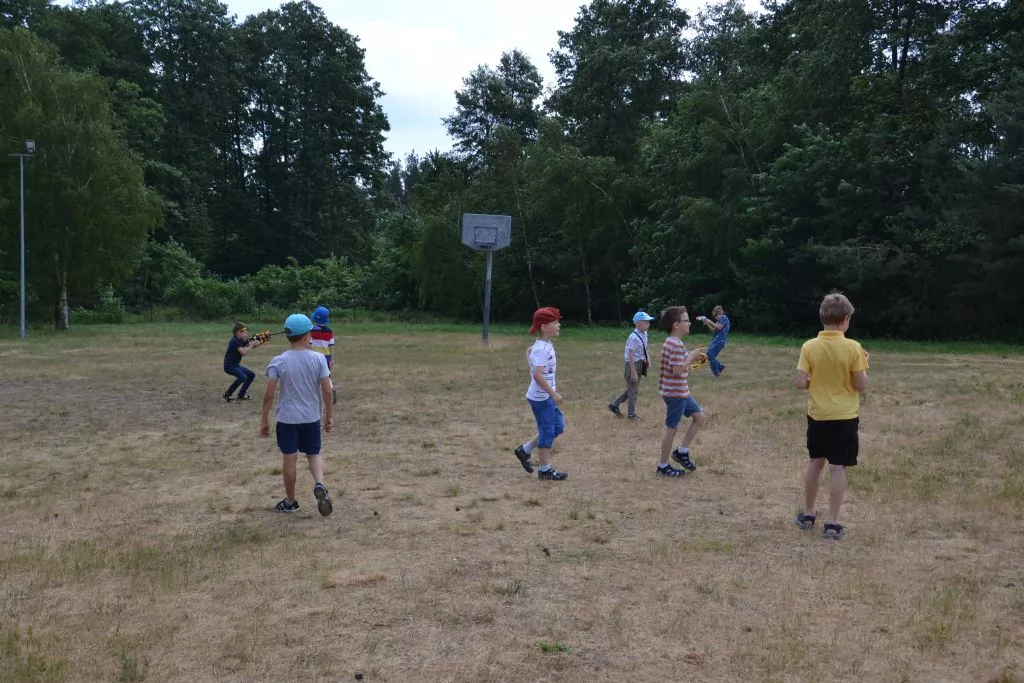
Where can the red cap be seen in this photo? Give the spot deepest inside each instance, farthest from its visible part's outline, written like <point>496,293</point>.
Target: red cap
<point>542,316</point>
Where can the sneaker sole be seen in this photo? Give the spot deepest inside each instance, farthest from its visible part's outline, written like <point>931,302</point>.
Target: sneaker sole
<point>323,502</point>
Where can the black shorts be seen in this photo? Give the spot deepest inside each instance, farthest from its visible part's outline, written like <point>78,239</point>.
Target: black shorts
<point>834,440</point>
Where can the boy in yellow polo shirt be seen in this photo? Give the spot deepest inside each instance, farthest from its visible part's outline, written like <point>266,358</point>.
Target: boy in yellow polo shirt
<point>833,370</point>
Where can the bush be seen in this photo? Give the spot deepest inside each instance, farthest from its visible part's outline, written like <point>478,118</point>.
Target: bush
<point>110,310</point>
<point>208,298</point>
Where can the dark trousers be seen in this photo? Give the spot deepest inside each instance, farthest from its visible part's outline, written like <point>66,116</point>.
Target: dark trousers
<point>243,376</point>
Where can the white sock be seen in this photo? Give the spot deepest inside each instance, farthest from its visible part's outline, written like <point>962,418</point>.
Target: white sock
<point>545,468</point>
<point>683,450</point>
<point>528,447</point>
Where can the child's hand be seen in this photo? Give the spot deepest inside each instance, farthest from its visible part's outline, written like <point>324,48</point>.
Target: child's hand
<point>329,423</point>
<point>557,398</point>
<point>264,430</point>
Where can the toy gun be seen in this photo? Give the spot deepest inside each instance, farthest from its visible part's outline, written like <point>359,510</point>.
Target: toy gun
<point>264,336</point>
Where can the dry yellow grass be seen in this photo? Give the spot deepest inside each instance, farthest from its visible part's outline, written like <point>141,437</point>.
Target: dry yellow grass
<point>139,541</point>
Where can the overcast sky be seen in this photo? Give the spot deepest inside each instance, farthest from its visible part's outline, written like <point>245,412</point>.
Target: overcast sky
<point>420,50</point>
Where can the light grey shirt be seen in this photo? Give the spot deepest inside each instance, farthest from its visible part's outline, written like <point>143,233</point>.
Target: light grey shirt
<point>299,374</point>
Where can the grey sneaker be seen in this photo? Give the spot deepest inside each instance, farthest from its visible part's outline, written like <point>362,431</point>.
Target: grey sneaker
<point>323,501</point>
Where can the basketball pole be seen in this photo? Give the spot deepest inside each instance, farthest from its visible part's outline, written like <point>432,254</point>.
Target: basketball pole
<point>487,297</point>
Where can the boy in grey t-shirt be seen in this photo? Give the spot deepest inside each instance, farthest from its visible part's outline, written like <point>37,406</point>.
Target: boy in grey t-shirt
<point>305,385</point>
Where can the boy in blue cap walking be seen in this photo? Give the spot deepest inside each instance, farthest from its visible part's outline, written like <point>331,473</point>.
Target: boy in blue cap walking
<point>637,363</point>
<point>305,386</point>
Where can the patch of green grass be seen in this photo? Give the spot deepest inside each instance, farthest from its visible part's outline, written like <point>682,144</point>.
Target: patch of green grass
<point>549,648</point>
<point>133,668</point>
<point>26,655</point>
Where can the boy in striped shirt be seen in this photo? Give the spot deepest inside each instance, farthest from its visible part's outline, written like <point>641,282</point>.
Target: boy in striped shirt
<point>322,341</point>
<point>673,385</point>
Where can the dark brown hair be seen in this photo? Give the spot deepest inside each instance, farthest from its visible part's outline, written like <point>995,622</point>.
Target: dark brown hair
<point>238,328</point>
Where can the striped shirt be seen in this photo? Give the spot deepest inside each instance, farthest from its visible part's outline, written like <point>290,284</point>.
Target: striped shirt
<point>674,352</point>
<point>321,340</point>
<point>637,343</point>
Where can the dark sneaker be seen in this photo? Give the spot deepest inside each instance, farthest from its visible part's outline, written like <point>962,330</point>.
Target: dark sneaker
<point>684,460</point>
<point>524,459</point>
<point>243,397</point>
<point>552,474</point>
<point>805,521</point>
<point>634,418</point>
<point>287,506</point>
<point>323,501</point>
<point>833,531</point>
<point>615,409</point>
<point>669,471</point>
<point>227,397</point>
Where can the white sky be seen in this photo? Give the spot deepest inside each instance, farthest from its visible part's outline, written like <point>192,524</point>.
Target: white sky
<point>420,50</point>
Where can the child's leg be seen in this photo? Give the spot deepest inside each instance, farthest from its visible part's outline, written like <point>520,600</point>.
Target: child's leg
<point>316,467</point>
<point>812,479</point>
<point>668,436</point>
<point>632,389</point>
<point>836,491</point>
<point>691,431</point>
<point>236,372</point>
<point>625,394</point>
<point>249,376</point>
<point>713,351</point>
<point>288,471</point>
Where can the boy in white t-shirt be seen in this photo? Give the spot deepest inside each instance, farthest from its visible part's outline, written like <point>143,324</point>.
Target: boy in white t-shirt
<point>305,386</point>
<point>637,363</point>
<point>542,396</point>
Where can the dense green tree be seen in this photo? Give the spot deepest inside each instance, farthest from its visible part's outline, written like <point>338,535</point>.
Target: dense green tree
<point>619,67</point>
<point>90,209</point>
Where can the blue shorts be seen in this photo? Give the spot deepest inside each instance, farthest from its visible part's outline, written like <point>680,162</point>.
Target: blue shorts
<point>550,421</point>
<point>678,408</point>
<point>303,438</point>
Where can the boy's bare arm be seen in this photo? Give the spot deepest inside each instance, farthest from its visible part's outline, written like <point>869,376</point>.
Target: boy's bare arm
<point>244,350</point>
<point>326,390</point>
<point>803,380</point>
<point>538,376</point>
<point>268,401</point>
<point>860,380</point>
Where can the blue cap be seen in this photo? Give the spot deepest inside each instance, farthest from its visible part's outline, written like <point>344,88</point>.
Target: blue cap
<point>321,315</point>
<point>297,324</point>
<point>640,315</point>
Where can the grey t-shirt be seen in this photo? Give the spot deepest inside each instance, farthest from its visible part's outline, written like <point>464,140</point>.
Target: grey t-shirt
<point>299,374</point>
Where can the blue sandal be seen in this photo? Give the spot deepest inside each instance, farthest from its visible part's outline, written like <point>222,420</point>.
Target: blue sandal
<point>805,521</point>
<point>833,531</point>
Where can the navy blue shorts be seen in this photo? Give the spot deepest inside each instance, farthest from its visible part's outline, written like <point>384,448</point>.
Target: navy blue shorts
<point>304,438</point>
<point>678,408</point>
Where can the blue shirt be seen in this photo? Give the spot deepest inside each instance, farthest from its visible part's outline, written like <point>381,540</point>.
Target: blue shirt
<point>720,335</point>
<point>233,356</point>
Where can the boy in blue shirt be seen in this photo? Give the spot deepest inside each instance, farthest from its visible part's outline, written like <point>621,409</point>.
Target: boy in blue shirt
<point>720,326</point>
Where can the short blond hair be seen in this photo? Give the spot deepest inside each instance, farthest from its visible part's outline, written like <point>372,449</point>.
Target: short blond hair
<point>835,308</point>
<point>718,310</point>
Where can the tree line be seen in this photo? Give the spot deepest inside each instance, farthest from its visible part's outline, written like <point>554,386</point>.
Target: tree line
<point>753,159</point>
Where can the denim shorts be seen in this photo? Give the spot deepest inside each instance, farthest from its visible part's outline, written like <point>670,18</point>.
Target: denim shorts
<point>304,438</point>
<point>678,408</point>
<point>550,421</point>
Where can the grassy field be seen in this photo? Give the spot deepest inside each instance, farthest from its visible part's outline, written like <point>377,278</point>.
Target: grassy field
<point>139,540</point>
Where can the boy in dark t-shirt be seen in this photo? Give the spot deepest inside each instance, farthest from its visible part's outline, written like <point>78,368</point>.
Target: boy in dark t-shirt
<point>238,346</point>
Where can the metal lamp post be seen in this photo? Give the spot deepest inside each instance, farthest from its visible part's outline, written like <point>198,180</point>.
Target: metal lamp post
<point>30,149</point>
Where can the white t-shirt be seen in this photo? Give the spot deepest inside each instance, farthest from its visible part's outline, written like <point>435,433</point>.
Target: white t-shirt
<point>299,374</point>
<point>636,342</point>
<point>542,355</point>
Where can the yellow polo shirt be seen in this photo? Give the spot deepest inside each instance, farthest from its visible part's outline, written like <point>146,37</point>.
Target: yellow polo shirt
<point>829,359</point>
